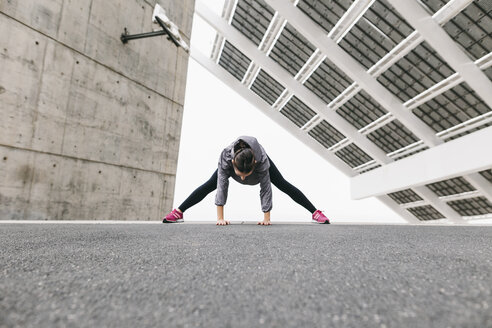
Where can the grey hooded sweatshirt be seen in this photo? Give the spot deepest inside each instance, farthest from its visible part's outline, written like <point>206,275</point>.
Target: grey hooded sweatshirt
<point>260,174</point>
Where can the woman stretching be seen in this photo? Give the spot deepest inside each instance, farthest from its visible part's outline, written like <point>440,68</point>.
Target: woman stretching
<point>245,161</point>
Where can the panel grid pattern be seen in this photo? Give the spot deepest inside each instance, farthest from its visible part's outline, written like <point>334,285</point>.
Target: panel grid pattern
<point>392,136</point>
<point>361,110</point>
<point>471,206</point>
<point>488,72</point>
<point>328,81</point>
<point>472,28</point>
<point>324,13</point>
<point>453,107</point>
<point>252,18</point>
<point>353,155</point>
<point>292,50</point>
<point>426,213</point>
<point>450,187</point>
<point>405,196</point>
<point>297,111</point>
<point>326,134</point>
<point>375,34</point>
<point>434,5</point>
<point>267,87</point>
<point>487,174</point>
<point>234,61</point>
<point>416,72</point>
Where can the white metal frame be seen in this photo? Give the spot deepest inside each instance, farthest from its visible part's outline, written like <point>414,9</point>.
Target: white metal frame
<point>227,13</point>
<point>349,19</point>
<point>271,36</point>
<point>481,184</point>
<point>458,157</point>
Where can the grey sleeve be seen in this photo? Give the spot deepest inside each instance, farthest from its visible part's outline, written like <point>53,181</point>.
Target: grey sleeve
<point>222,187</point>
<point>265,191</point>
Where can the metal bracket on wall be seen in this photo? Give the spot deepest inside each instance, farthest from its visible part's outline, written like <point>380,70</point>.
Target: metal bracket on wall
<point>125,37</point>
<point>168,28</point>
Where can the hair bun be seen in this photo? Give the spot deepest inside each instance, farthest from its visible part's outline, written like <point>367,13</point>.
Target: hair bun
<point>244,160</point>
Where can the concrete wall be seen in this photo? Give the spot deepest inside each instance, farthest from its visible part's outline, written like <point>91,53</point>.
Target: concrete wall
<point>89,127</point>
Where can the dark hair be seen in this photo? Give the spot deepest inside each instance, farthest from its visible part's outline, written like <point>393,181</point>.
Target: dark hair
<point>244,158</point>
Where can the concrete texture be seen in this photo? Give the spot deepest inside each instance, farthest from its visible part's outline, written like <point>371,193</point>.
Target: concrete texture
<point>190,275</point>
<point>89,127</point>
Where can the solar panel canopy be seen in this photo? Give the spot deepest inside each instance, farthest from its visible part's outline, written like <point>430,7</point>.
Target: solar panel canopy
<point>377,88</point>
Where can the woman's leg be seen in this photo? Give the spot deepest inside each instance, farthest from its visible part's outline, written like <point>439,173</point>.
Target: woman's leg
<point>278,181</point>
<point>200,193</point>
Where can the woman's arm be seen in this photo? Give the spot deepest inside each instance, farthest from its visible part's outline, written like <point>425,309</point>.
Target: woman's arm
<point>220,216</point>
<point>266,219</point>
<point>265,196</point>
<point>222,190</point>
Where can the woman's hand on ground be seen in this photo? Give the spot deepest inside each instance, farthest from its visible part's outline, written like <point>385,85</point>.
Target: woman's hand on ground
<point>264,222</point>
<point>220,216</point>
<point>266,219</point>
<point>223,222</point>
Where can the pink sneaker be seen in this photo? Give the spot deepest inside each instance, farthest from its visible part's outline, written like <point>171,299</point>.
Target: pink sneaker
<point>173,217</point>
<point>319,217</point>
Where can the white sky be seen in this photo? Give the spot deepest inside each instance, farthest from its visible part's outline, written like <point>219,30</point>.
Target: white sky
<point>214,116</point>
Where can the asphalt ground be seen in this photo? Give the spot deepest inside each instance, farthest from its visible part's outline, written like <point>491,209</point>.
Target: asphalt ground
<point>243,275</point>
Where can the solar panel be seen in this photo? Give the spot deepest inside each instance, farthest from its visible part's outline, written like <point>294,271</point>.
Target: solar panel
<point>488,72</point>
<point>292,50</point>
<point>471,206</point>
<point>366,52</point>
<point>325,13</point>
<point>450,187</point>
<point>416,72</point>
<point>297,111</point>
<point>388,20</point>
<point>328,81</point>
<point>487,174</point>
<point>454,106</point>
<point>353,155</point>
<point>472,28</point>
<point>375,34</point>
<point>234,61</point>
<point>434,5</point>
<point>392,136</point>
<point>267,87</point>
<point>405,196</point>
<point>326,134</point>
<point>361,110</point>
<point>252,18</point>
<point>425,213</point>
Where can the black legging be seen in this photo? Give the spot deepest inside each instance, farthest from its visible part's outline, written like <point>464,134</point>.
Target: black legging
<point>275,177</point>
